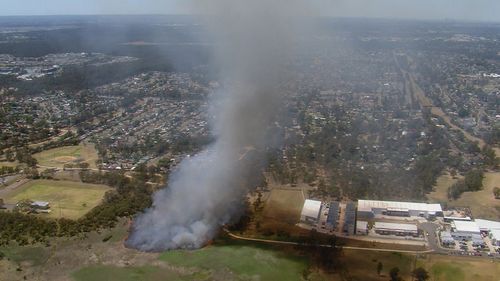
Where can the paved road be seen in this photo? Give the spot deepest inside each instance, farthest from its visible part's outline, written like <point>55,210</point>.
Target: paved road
<point>430,231</point>
<point>5,191</point>
<point>323,245</point>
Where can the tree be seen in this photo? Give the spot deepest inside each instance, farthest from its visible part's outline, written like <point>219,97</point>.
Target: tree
<point>380,266</point>
<point>489,156</point>
<point>394,274</point>
<point>420,274</point>
<point>496,192</point>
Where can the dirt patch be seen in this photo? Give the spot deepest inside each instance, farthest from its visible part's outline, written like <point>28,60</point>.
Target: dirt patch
<point>65,159</point>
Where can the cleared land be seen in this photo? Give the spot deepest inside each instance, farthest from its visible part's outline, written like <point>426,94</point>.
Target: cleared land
<point>57,157</point>
<point>482,203</point>
<point>67,199</point>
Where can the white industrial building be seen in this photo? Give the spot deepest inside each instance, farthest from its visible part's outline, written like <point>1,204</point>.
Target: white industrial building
<point>465,229</point>
<point>486,226</point>
<point>361,228</point>
<point>372,208</point>
<point>446,238</point>
<point>310,212</point>
<point>400,229</point>
<point>495,237</point>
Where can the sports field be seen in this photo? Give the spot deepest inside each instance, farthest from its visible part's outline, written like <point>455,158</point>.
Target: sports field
<point>57,157</point>
<point>284,205</point>
<point>67,199</point>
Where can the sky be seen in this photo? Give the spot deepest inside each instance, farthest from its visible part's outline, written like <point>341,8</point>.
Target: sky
<point>469,10</point>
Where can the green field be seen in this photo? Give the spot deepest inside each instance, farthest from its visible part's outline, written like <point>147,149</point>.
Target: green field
<point>67,199</point>
<point>243,261</point>
<point>57,157</point>
<point>446,268</point>
<point>362,266</point>
<point>111,273</point>
<point>210,263</point>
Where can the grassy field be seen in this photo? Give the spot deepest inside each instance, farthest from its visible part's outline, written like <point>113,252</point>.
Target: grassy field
<point>482,203</point>
<point>8,164</point>
<point>57,157</point>
<point>232,262</point>
<point>440,193</point>
<point>449,268</point>
<point>68,199</point>
<point>113,273</point>
<point>243,262</point>
<point>362,266</point>
<point>284,205</point>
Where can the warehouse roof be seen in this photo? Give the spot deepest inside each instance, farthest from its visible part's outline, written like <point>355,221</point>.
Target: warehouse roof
<point>362,225</point>
<point>311,208</point>
<point>466,226</point>
<point>368,205</point>
<point>395,226</point>
<point>495,234</point>
<point>486,225</point>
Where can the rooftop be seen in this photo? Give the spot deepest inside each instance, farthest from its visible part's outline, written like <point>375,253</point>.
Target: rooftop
<point>495,234</point>
<point>361,224</point>
<point>487,224</point>
<point>395,226</point>
<point>368,205</point>
<point>466,226</point>
<point>311,208</point>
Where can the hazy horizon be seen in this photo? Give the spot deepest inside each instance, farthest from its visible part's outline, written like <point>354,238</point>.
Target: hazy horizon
<point>457,10</point>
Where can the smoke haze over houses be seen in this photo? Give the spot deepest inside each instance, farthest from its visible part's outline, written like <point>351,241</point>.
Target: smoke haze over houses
<point>254,40</point>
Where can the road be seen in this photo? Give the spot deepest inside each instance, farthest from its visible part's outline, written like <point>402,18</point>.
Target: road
<point>430,231</point>
<point>276,242</point>
<point>5,191</point>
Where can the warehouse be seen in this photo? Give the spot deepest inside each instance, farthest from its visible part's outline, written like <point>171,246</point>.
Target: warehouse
<point>495,237</point>
<point>333,215</point>
<point>372,208</point>
<point>446,238</point>
<point>400,229</point>
<point>361,228</point>
<point>485,226</point>
<point>465,230</point>
<point>310,212</point>
<point>349,218</point>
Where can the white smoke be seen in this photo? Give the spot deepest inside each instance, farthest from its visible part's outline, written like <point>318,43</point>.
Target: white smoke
<point>254,42</point>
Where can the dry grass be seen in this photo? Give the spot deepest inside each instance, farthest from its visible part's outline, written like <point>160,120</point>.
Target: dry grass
<point>482,203</point>
<point>454,268</point>
<point>440,193</point>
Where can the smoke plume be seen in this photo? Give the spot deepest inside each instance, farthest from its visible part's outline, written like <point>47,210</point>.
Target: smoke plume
<point>253,45</point>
